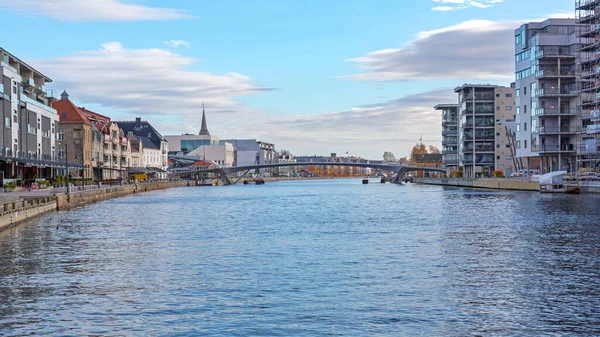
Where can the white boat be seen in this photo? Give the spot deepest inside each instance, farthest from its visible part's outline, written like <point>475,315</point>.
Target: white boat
<point>553,183</point>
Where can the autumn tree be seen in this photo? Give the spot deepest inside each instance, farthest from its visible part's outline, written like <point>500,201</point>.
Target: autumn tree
<point>434,150</point>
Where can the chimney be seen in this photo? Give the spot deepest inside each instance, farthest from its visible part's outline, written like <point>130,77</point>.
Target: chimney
<point>138,122</point>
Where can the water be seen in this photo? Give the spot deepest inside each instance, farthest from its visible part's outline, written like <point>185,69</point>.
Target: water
<point>308,258</point>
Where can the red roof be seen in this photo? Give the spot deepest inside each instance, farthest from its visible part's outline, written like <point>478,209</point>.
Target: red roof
<point>170,162</point>
<point>68,112</point>
<point>201,163</point>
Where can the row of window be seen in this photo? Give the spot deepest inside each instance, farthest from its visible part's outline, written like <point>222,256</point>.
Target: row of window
<point>523,73</point>
<point>523,55</point>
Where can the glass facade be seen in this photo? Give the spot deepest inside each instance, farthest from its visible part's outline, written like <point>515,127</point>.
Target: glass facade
<point>190,145</point>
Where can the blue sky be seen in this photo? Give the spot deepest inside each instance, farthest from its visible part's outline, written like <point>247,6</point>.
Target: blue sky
<point>311,76</point>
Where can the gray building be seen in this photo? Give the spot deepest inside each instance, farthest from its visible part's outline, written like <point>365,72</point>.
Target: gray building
<point>482,143</point>
<point>28,138</point>
<point>449,134</point>
<point>588,76</point>
<point>547,94</point>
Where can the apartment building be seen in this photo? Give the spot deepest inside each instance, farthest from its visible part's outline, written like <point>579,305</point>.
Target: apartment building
<point>482,143</point>
<point>28,138</point>
<point>152,147</point>
<point>449,135</point>
<point>547,94</point>
<point>588,77</point>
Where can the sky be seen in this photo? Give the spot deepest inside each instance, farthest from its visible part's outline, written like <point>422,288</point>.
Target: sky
<point>311,76</point>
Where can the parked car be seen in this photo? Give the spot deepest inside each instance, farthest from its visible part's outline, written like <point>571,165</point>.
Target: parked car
<point>519,173</point>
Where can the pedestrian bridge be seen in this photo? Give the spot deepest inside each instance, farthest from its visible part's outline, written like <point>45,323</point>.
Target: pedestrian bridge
<point>224,172</point>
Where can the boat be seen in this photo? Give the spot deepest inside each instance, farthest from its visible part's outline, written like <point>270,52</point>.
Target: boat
<point>365,180</point>
<point>259,181</point>
<point>553,182</point>
<point>245,182</point>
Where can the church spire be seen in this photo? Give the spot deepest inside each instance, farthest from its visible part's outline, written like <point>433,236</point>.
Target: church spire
<point>204,129</point>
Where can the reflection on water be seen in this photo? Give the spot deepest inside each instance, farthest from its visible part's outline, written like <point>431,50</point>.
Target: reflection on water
<point>308,258</point>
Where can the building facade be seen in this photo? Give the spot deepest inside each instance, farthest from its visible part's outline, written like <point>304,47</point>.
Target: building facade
<point>547,94</point>
<point>152,147</point>
<point>478,132</point>
<point>449,135</point>
<point>74,137</point>
<point>588,77</point>
<point>28,138</point>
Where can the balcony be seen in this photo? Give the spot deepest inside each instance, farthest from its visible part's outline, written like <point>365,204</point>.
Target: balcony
<point>52,95</point>
<point>469,137</point>
<point>450,142</point>
<point>555,73</point>
<point>8,66</point>
<point>28,83</point>
<point>469,125</point>
<point>449,122</point>
<point>554,92</point>
<point>449,133</point>
<point>480,148</point>
<point>541,130</point>
<point>28,100</point>
<point>479,97</point>
<point>555,112</point>
<point>449,151</point>
<point>543,148</point>
<point>554,52</point>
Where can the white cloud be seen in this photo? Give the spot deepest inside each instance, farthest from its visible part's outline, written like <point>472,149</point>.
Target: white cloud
<point>178,43</point>
<point>476,49</point>
<point>92,10</point>
<point>450,5</point>
<point>152,83</point>
<point>367,130</point>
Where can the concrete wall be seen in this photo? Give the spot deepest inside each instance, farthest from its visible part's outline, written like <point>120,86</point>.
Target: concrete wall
<point>18,211</point>
<point>14,213</point>
<point>497,184</point>
<point>75,199</point>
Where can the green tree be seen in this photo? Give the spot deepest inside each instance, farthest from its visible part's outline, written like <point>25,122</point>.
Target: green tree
<point>388,156</point>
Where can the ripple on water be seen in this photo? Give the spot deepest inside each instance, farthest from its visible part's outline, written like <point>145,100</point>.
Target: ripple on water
<point>310,258</point>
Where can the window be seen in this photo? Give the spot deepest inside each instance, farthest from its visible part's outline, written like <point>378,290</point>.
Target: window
<point>524,126</point>
<point>524,109</point>
<point>518,127</point>
<point>498,157</point>
<point>497,133</point>
<point>497,95</point>
<point>518,109</point>
<point>498,108</point>
<point>518,39</point>
<point>507,145</point>
<point>518,91</point>
<point>518,144</point>
<point>497,145</point>
<point>15,89</point>
<point>7,122</point>
<point>507,95</point>
<point>525,144</point>
<point>60,135</point>
<point>508,108</point>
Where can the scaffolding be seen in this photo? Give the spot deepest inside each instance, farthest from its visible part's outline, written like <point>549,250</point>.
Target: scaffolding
<point>587,13</point>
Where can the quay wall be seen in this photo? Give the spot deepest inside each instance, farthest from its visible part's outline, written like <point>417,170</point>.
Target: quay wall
<point>485,183</point>
<point>80,198</point>
<point>27,208</point>
<point>20,211</point>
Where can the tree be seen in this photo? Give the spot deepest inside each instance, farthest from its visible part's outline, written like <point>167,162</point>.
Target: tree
<point>419,148</point>
<point>434,150</point>
<point>388,156</point>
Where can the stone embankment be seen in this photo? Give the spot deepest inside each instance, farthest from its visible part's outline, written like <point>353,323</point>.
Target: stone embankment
<point>26,208</point>
<point>485,183</point>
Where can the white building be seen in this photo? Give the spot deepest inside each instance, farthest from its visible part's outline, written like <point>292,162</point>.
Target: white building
<point>222,155</point>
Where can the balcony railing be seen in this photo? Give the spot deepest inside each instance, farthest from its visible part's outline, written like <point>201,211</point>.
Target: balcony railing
<point>450,151</point>
<point>450,133</point>
<point>52,95</point>
<point>448,142</point>
<point>28,82</point>
<point>554,52</point>
<point>555,92</point>
<point>479,97</point>
<point>555,112</point>
<point>449,122</point>
<point>27,99</point>
<point>554,130</point>
<point>6,65</point>
<point>555,148</point>
<point>554,72</point>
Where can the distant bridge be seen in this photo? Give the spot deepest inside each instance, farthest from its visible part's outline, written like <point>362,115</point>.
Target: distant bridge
<point>224,172</point>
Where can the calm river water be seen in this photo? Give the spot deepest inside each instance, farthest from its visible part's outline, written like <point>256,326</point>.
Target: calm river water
<point>308,258</point>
